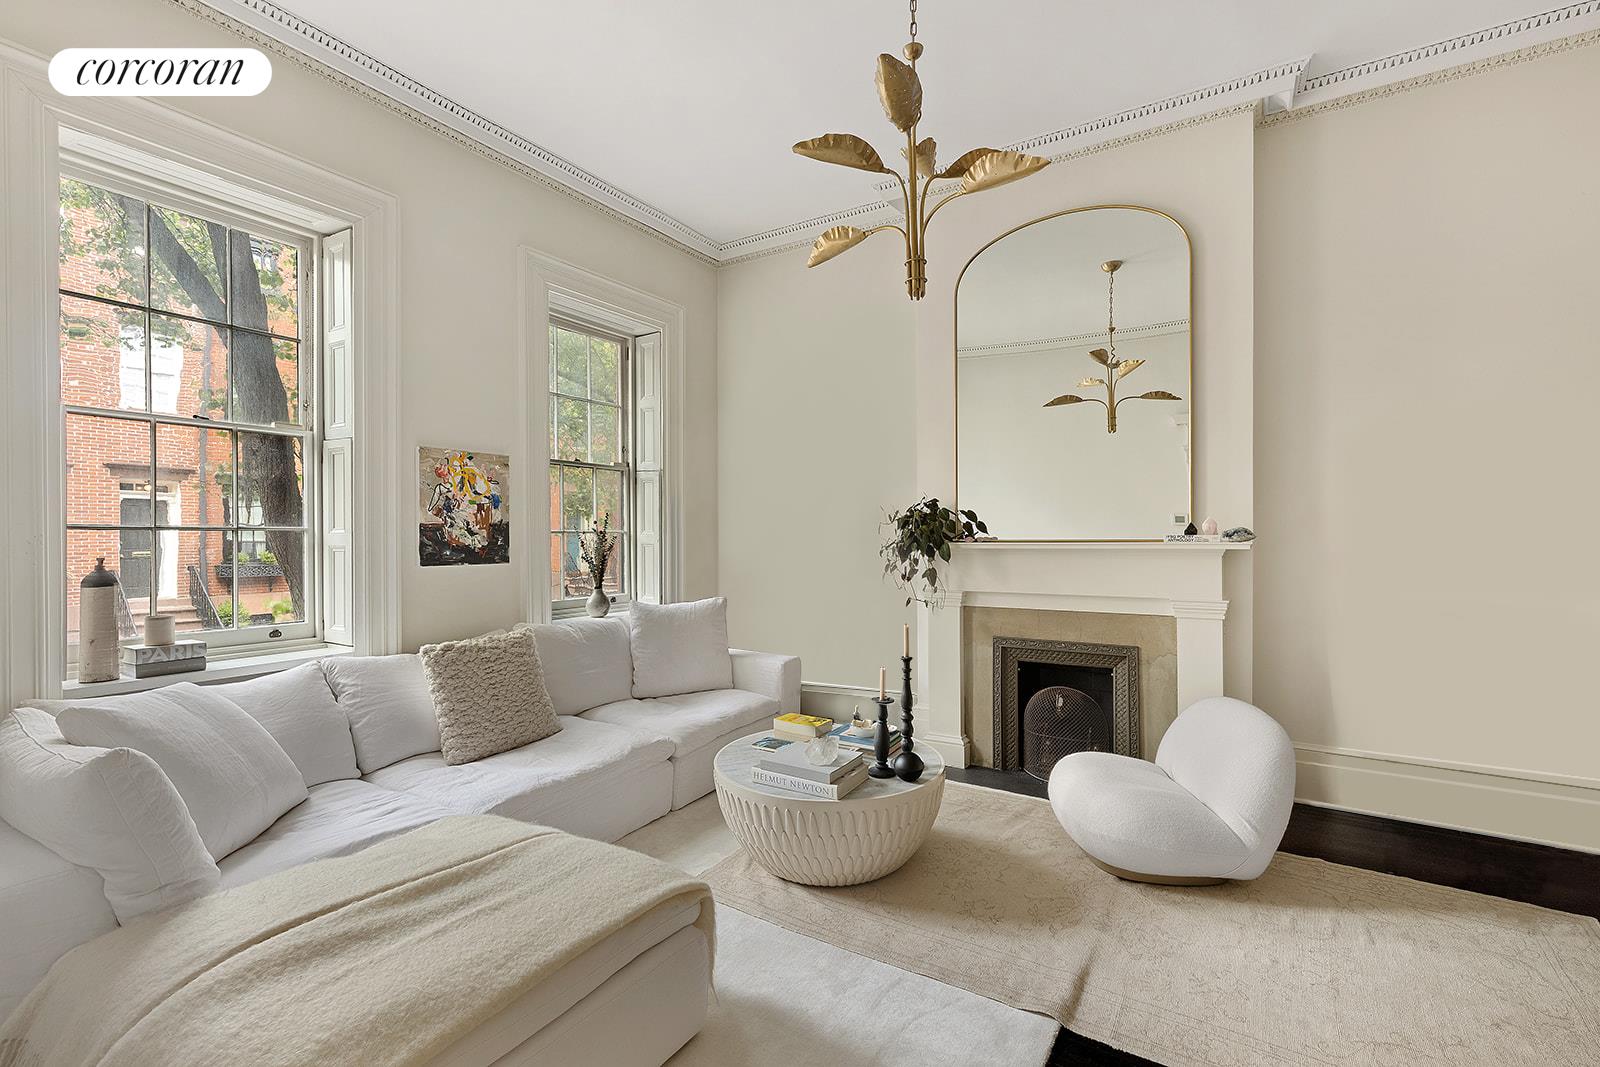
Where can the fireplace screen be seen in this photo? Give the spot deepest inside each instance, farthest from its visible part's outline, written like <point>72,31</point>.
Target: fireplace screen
<point>1059,720</point>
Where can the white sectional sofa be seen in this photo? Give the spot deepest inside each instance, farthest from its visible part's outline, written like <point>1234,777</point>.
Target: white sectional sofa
<point>361,733</point>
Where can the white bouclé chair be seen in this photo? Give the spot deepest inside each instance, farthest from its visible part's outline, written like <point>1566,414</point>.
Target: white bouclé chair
<point>1211,808</point>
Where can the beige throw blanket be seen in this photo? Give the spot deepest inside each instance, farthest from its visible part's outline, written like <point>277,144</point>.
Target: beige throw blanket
<point>385,957</point>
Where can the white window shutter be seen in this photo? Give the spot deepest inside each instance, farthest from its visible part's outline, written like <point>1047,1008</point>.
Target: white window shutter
<point>338,441</point>
<point>649,449</point>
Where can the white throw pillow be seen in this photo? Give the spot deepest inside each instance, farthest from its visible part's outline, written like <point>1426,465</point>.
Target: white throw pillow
<point>233,777</point>
<point>489,694</point>
<point>586,662</point>
<point>387,702</point>
<point>112,810</point>
<point>298,710</point>
<point>680,648</point>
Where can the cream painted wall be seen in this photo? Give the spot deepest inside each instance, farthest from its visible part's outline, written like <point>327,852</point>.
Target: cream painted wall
<point>462,219</point>
<point>1427,375</point>
<point>816,420</point>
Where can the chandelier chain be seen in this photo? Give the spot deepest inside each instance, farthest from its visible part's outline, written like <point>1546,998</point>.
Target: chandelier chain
<point>1111,312</point>
<point>913,20</point>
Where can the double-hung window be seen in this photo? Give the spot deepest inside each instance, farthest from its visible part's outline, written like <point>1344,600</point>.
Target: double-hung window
<point>590,477</point>
<point>191,441</point>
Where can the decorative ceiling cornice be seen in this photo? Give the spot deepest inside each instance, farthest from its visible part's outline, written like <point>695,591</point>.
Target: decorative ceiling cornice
<point>1076,340</point>
<point>1282,92</point>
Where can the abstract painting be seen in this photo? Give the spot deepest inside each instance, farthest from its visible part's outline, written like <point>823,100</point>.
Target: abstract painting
<point>466,512</point>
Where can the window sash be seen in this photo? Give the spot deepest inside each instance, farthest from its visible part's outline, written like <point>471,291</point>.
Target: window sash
<point>623,408</point>
<point>306,428</point>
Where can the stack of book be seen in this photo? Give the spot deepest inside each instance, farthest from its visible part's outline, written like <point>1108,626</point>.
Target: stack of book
<point>153,661</point>
<point>797,727</point>
<point>865,742</point>
<point>788,768</point>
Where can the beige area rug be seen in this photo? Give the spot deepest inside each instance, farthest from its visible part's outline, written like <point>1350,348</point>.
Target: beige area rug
<point>785,1000</point>
<point>1313,963</point>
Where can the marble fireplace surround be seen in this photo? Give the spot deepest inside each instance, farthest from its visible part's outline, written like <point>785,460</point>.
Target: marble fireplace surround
<point>1165,598</point>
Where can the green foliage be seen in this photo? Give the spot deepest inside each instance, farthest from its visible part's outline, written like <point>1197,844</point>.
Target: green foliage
<point>282,611</point>
<point>266,555</point>
<point>919,539</point>
<point>225,612</point>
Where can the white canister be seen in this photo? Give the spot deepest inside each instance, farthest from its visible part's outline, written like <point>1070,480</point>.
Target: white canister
<point>160,629</point>
<point>97,625</point>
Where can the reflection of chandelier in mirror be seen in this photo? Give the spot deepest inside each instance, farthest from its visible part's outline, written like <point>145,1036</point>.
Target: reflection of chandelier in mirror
<point>1116,367</point>
<point>982,168</point>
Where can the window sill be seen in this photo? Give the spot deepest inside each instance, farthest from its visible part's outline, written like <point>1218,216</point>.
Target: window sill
<point>228,669</point>
<point>563,612</point>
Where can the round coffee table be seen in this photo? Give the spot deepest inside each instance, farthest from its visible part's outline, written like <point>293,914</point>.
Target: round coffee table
<point>868,834</point>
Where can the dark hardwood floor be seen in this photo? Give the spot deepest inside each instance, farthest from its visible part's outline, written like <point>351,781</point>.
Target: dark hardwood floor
<point>1550,877</point>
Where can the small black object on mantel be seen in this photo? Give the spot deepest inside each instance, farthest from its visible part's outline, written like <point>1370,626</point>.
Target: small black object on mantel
<point>907,765</point>
<point>1190,530</point>
<point>879,768</point>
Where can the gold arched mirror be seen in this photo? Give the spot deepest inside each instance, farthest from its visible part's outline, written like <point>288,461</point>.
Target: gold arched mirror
<point>1073,378</point>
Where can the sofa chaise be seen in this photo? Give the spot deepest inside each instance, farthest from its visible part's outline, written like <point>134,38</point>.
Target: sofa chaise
<point>362,733</point>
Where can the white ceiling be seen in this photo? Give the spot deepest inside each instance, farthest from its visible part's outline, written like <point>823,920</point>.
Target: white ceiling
<point>691,106</point>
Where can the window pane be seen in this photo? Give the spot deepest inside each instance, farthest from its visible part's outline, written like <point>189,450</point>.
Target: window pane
<point>107,459</point>
<point>102,242</point>
<point>555,497</point>
<point>570,438</point>
<point>188,368</point>
<point>266,377</point>
<point>201,567</point>
<point>605,363</point>
<point>186,268</point>
<point>614,575</point>
<point>574,581</point>
<point>194,476</point>
<point>271,480</point>
<point>102,355</point>
<point>126,556</point>
<point>266,284</point>
<point>571,353</point>
<point>271,576</point>
<point>577,498</point>
<point>605,440</point>
<point>608,497</point>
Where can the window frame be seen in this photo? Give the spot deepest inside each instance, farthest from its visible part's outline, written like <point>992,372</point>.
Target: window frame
<point>567,607</point>
<point>258,222</point>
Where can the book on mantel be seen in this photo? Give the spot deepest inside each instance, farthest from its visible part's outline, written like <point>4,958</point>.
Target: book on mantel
<point>823,790</point>
<point>792,761</point>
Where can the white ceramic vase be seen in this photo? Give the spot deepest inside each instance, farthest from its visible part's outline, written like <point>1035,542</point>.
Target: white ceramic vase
<point>598,605</point>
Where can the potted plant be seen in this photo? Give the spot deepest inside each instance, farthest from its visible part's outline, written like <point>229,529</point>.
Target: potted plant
<point>596,546</point>
<point>919,540</point>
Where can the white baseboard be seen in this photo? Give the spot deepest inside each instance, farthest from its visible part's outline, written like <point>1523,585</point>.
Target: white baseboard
<point>1547,810</point>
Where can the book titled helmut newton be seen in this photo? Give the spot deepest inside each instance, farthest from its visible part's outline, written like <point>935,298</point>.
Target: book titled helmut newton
<point>821,790</point>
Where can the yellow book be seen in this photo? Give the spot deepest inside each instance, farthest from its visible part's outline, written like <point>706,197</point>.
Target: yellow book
<point>802,725</point>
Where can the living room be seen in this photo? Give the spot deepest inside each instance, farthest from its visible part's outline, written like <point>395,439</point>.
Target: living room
<point>522,546</point>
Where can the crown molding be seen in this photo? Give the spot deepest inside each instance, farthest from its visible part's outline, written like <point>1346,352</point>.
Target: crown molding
<point>1280,92</point>
<point>1076,340</point>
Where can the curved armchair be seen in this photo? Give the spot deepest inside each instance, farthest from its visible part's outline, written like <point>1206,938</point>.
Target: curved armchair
<point>1211,808</point>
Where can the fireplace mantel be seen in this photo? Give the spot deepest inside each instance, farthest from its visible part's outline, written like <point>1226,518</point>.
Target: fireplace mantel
<point>1178,579</point>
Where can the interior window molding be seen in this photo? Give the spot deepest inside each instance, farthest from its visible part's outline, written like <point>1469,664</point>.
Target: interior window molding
<point>215,170</point>
<point>552,287</point>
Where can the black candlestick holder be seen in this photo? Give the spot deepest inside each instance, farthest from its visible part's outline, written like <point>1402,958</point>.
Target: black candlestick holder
<point>879,767</point>
<point>907,765</point>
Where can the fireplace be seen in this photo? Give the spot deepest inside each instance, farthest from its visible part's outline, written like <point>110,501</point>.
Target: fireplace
<point>1052,698</point>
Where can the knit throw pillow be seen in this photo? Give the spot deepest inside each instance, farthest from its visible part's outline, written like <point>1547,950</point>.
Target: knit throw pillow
<point>489,695</point>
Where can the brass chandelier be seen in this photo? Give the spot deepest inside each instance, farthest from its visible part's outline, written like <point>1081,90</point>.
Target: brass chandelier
<point>982,168</point>
<point>1116,367</point>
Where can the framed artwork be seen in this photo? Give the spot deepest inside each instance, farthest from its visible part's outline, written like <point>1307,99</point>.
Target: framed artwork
<point>465,510</point>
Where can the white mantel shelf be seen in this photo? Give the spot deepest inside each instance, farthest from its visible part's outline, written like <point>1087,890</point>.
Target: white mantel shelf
<point>1182,580</point>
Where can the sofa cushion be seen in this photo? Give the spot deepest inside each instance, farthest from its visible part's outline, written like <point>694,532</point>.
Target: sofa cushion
<point>233,777</point>
<point>335,819</point>
<point>387,702</point>
<point>680,648</point>
<point>297,708</point>
<point>489,695</point>
<point>47,906</point>
<point>586,662</point>
<point>110,809</point>
<point>585,758</point>
<point>692,720</point>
